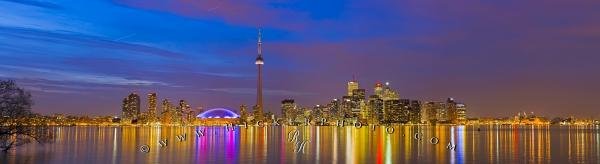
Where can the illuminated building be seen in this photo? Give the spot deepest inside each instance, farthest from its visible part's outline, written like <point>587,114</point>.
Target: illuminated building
<point>452,114</point>
<point>258,108</point>
<point>414,112</point>
<point>358,94</point>
<point>375,107</point>
<point>181,113</point>
<point>167,112</point>
<point>389,93</point>
<point>334,108</point>
<point>352,85</point>
<point>392,111</point>
<point>152,107</point>
<point>218,116</point>
<point>431,112</point>
<point>288,109</point>
<point>461,111</point>
<point>244,114</point>
<point>378,89</point>
<point>320,112</point>
<point>131,108</point>
<point>350,108</point>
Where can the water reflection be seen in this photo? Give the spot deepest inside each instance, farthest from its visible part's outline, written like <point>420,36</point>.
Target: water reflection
<point>395,144</point>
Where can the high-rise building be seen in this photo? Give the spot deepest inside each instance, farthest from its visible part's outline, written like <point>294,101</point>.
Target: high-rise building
<point>378,89</point>
<point>334,107</point>
<point>389,93</point>
<point>461,112</point>
<point>125,114</point>
<point>375,108</point>
<point>181,112</point>
<point>167,112</point>
<point>258,108</point>
<point>452,110</point>
<point>244,114</point>
<point>288,109</point>
<point>414,112</point>
<point>404,111</point>
<point>352,85</point>
<point>433,112</point>
<point>131,108</point>
<point>152,107</point>
<point>392,111</point>
<point>359,94</point>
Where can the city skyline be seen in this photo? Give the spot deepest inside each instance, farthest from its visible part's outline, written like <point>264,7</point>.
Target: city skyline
<point>483,55</point>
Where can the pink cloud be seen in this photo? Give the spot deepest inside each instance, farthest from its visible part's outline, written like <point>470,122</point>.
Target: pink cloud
<point>246,13</point>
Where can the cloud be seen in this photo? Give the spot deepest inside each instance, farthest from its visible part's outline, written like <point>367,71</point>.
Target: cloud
<point>45,39</point>
<point>56,75</point>
<point>247,13</point>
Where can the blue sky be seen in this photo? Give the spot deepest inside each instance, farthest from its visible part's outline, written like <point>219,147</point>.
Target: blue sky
<point>498,57</point>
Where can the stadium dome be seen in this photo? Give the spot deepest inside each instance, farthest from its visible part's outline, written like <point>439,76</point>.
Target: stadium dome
<point>218,113</point>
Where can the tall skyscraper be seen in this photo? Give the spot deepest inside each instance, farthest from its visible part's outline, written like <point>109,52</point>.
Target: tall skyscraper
<point>131,108</point>
<point>288,109</point>
<point>125,115</point>
<point>352,85</point>
<point>167,112</point>
<point>152,107</point>
<point>375,107</point>
<point>259,93</point>
<point>415,112</point>
<point>452,111</point>
<point>433,112</point>
<point>461,113</point>
<point>378,89</point>
<point>244,114</point>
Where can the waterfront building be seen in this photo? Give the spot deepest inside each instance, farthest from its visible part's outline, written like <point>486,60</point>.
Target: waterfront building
<point>461,111</point>
<point>375,107</point>
<point>152,107</point>
<point>131,108</point>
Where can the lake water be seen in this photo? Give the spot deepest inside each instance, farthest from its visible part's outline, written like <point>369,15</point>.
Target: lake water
<point>473,144</point>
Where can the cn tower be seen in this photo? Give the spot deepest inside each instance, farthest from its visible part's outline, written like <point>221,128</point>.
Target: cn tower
<point>259,62</point>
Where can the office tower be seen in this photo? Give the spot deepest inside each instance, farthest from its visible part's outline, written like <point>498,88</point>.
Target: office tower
<point>134,105</point>
<point>352,85</point>
<point>244,114</point>
<point>375,108</point>
<point>359,94</point>
<point>415,112</point>
<point>434,112</point>
<point>258,108</point>
<point>319,112</point>
<point>452,110</point>
<point>167,112</point>
<point>131,108</point>
<point>404,111</point>
<point>180,112</point>
<point>334,108</point>
<point>392,111</point>
<point>152,107</point>
<point>350,107</point>
<point>389,93</point>
<point>461,112</point>
<point>378,89</point>
<point>126,115</point>
<point>288,109</point>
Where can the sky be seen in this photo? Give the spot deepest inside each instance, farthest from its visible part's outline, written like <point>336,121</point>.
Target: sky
<point>498,57</point>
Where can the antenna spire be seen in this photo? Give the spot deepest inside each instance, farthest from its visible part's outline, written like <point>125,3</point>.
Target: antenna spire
<point>259,41</point>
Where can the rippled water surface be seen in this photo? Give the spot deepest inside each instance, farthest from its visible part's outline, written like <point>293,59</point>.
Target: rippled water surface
<point>395,144</point>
